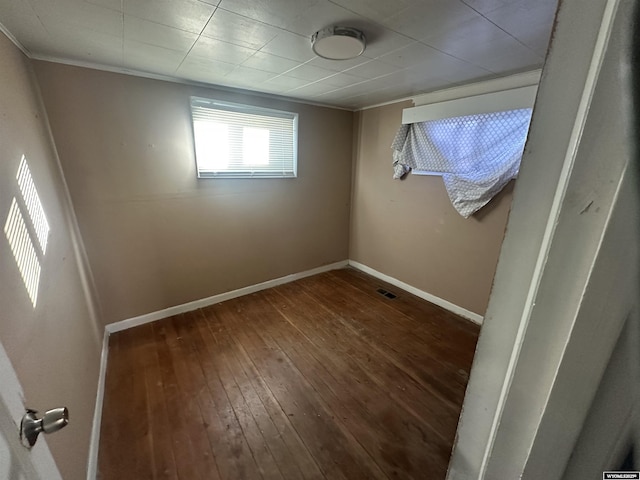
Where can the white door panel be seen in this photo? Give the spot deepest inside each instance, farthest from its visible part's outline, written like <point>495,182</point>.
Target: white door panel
<point>13,462</point>
<point>17,462</point>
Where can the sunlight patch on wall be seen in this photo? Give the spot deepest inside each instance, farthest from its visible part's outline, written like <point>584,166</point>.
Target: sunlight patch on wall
<point>23,251</point>
<point>27,235</point>
<point>32,201</point>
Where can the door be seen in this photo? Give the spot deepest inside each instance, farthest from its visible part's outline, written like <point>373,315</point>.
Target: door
<point>16,461</point>
<point>567,277</point>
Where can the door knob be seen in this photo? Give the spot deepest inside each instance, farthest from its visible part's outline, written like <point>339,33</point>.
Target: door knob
<point>51,421</point>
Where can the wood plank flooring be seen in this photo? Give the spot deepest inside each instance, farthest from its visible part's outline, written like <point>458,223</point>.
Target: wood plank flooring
<point>319,378</point>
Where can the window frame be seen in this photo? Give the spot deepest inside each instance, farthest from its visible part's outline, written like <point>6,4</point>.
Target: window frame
<point>215,104</point>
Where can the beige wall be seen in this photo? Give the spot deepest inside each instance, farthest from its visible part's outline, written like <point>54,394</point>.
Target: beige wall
<point>54,347</point>
<point>155,235</point>
<point>409,229</point>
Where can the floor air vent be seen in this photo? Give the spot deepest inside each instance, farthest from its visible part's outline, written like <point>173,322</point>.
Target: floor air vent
<point>382,291</point>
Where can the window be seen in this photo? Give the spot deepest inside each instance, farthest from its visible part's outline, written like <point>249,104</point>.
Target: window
<point>477,155</point>
<point>241,141</point>
<point>475,143</point>
<point>477,146</point>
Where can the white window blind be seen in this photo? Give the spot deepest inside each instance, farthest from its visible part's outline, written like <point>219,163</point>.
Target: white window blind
<point>242,141</point>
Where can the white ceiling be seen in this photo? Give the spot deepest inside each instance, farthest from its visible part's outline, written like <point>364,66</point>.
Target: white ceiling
<point>413,46</point>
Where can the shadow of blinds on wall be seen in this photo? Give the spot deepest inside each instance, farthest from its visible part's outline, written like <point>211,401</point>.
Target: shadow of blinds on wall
<point>27,231</point>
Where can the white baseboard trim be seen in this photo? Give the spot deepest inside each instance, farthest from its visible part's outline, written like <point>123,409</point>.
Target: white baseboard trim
<point>463,312</point>
<point>205,302</point>
<point>92,465</point>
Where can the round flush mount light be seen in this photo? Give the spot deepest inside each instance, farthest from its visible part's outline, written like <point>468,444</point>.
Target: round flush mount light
<point>338,43</point>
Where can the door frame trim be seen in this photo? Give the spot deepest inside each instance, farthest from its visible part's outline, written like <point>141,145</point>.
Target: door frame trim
<point>569,78</point>
<point>94,445</point>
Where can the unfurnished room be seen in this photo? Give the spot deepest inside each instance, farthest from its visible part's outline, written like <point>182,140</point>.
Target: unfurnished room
<point>319,239</point>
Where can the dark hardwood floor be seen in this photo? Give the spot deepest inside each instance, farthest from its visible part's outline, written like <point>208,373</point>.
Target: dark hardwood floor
<point>320,378</point>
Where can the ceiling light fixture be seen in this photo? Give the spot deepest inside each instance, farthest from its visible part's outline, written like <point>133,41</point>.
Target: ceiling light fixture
<point>338,43</point>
